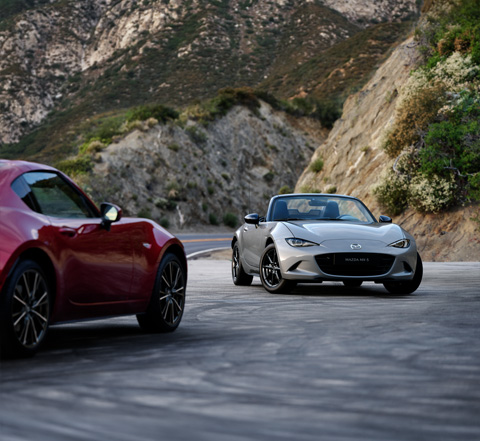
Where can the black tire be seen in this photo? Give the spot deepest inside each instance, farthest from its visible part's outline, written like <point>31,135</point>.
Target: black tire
<point>167,304</point>
<point>411,285</point>
<point>239,276</point>
<point>270,274</point>
<point>352,283</point>
<point>25,307</point>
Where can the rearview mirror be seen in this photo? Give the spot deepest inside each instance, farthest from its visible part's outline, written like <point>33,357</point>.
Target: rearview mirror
<point>385,219</point>
<point>110,213</point>
<point>252,218</point>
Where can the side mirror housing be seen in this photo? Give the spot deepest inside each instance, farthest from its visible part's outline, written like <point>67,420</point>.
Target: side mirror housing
<point>110,213</point>
<point>385,219</point>
<point>252,218</point>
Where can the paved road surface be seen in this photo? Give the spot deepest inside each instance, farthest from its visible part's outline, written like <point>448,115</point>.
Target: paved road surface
<point>324,363</point>
<point>198,243</point>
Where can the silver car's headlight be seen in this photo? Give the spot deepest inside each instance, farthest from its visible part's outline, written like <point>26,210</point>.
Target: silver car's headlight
<point>402,243</point>
<point>294,242</point>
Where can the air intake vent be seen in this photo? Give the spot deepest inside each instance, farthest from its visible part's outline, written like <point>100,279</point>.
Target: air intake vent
<point>355,264</point>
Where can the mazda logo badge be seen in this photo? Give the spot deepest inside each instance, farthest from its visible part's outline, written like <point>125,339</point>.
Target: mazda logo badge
<point>355,246</point>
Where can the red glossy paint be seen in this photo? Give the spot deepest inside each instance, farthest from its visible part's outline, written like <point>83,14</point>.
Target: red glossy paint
<point>93,272</point>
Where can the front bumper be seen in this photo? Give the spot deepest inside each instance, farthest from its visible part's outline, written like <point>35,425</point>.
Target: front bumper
<point>335,260</point>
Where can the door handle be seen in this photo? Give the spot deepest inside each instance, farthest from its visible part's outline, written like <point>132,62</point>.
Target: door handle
<point>66,231</point>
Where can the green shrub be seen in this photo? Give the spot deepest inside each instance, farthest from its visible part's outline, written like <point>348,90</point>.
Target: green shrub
<point>327,111</point>
<point>432,195</point>
<point>317,165</point>
<point>76,166</point>
<point>159,112</point>
<point>145,213</point>
<point>164,222</point>
<point>212,219</point>
<point>413,116</point>
<point>230,97</point>
<point>230,220</point>
<point>269,176</point>
<point>436,136</point>
<point>393,194</point>
<point>285,190</point>
<point>174,147</point>
<point>196,135</point>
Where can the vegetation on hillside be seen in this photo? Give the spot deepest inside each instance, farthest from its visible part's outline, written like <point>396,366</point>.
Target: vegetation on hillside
<point>436,138</point>
<point>213,46</point>
<point>328,78</point>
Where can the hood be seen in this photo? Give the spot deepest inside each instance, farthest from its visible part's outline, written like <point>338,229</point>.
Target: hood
<point>320,231</point>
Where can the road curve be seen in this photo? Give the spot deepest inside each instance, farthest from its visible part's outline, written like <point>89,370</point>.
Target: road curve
<point>196,244</point>
<point>323,363</point>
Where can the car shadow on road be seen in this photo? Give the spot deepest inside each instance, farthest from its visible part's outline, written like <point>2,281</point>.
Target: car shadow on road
<point>338,289</point>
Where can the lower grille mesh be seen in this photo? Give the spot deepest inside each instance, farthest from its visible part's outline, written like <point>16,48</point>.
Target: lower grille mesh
<point>355,264</point>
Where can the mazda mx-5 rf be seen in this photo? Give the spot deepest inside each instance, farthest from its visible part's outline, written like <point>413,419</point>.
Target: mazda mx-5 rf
<point>63,259</point>
<point>308,238</point>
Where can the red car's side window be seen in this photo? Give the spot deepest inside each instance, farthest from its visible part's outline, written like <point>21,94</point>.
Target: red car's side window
<point>23,191</point>
<point>48,193</point>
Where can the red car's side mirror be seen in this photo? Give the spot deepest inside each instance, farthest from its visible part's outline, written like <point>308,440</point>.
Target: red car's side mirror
<point>110,213</point>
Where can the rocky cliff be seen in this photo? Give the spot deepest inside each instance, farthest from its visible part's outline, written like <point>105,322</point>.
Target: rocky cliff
<point>354,162</point>
<point>196,174</point>
<point>96,55</point>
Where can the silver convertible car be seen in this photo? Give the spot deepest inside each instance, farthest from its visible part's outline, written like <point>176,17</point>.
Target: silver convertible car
<point>308,238</point>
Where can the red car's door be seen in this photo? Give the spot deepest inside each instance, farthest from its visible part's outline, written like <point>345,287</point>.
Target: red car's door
<point>95,265</point>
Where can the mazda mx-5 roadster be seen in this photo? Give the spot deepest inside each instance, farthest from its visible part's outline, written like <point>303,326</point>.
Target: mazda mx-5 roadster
<point>309,238</point>
<point>63,259</point>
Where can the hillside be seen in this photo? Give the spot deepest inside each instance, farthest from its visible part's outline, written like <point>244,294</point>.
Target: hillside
<point>63,62</point>
<point>190,173</point>
<point>358,158</point>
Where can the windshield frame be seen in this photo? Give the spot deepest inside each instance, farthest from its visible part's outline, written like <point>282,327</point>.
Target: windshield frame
<point>326,197</point>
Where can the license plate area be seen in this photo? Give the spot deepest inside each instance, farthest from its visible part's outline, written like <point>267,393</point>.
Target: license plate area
<point>357,259</point>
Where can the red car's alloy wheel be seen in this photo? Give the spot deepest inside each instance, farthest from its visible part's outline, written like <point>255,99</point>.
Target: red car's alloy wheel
<point>168,298</point>
<point>172,293</point>
<point>26,310</point>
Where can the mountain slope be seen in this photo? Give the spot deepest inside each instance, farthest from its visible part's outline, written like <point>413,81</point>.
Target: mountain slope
<point>94,56</point>
<point>355,163</point>
<point>193,173</point>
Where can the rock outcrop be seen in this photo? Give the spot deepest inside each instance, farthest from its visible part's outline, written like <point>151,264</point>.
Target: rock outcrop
<point>354,162</point>
<point>53,55</point>
<point>195,175</point>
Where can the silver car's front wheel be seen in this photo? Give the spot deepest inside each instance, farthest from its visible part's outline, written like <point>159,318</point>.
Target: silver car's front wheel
<point>270,273</point>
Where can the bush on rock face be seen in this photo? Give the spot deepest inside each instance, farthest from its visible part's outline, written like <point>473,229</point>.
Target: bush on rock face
<point>436,136</point>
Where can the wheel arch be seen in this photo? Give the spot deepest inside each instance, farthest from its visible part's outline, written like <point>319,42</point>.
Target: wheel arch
<point>43,260</point>
<point>269,242</point>
<point>177,251</point>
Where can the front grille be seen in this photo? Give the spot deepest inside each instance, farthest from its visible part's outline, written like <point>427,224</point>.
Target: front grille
<point>355,264</point>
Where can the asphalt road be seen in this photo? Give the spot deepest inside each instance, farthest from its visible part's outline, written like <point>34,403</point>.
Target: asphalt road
<point>198,243</point>
<point>323,363</point>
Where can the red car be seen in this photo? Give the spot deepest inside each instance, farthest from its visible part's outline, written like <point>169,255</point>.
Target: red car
<point>63,259</point>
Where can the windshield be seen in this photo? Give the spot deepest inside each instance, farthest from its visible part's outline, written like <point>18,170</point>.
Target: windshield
<point>321,207</point>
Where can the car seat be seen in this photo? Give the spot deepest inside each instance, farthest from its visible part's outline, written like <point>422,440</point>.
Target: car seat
<point>280,211</point>
<point>331,210</point>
